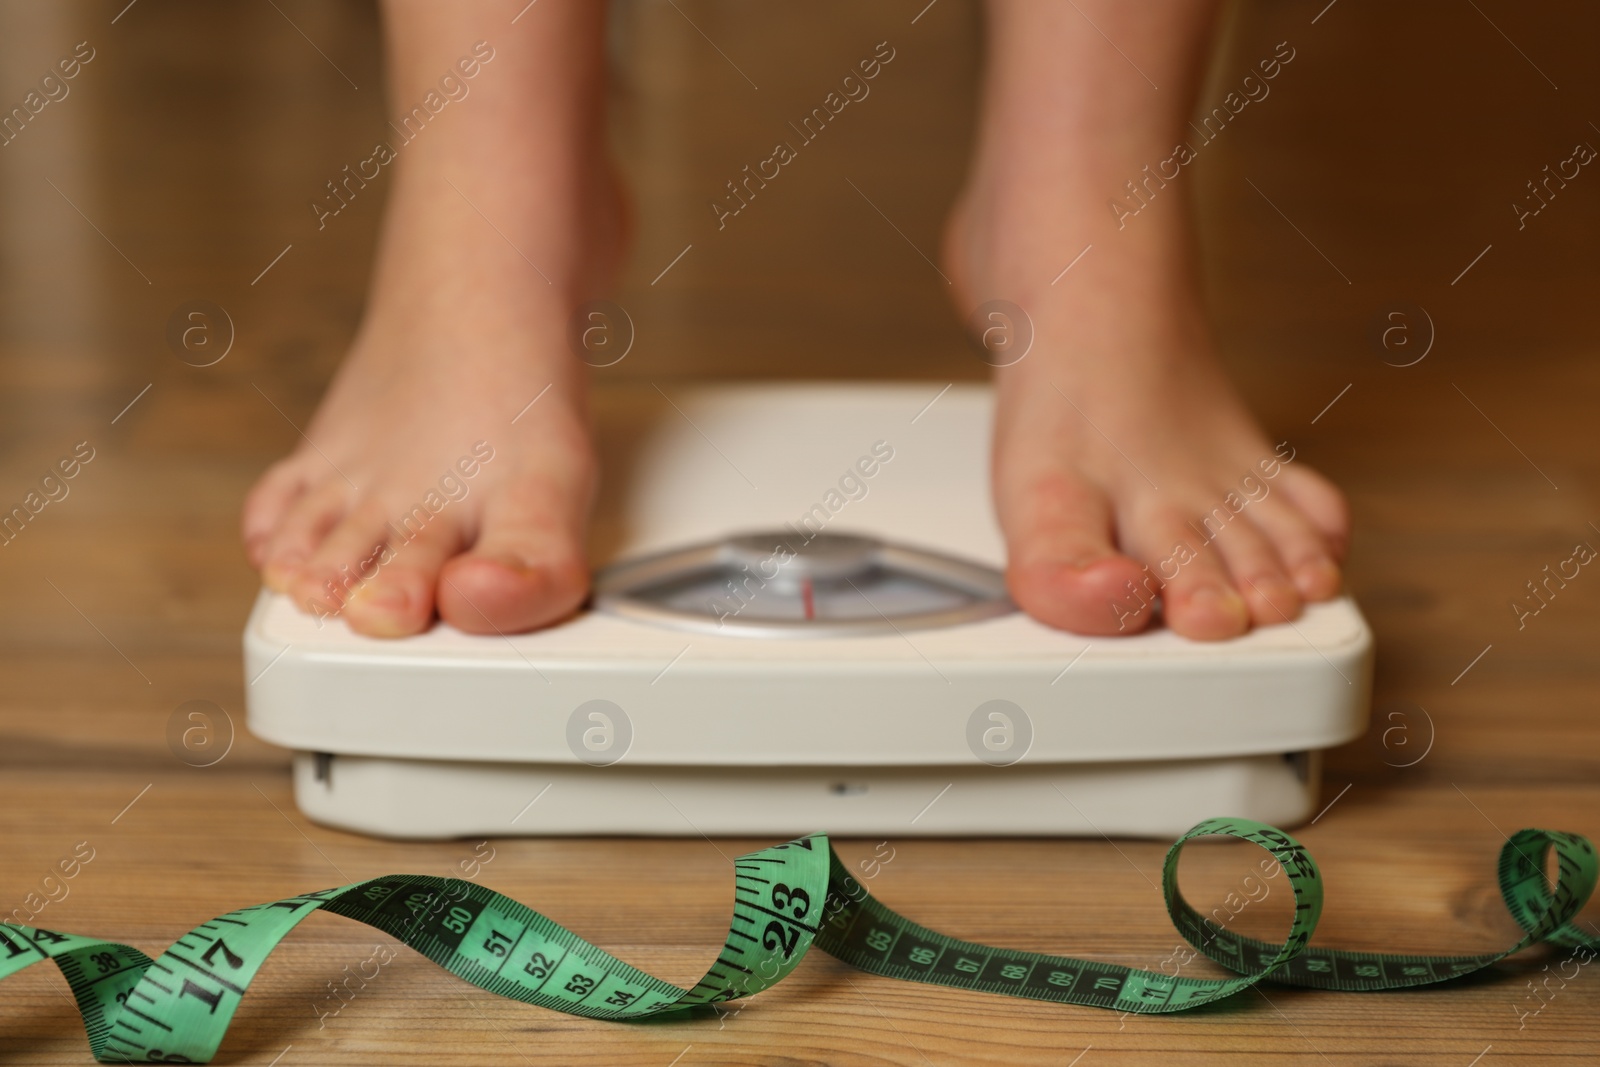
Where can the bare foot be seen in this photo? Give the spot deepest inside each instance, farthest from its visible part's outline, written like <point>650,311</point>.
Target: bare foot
<point>426,484</point>
<point>1124,461</point>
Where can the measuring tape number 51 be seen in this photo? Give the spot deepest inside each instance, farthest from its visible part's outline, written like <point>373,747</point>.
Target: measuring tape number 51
<point>789,897</point>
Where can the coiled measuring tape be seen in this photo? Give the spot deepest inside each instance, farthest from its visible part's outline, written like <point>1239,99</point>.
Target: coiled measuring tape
<point>789,897</point>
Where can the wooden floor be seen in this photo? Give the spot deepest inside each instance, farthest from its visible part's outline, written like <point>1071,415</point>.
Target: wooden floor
<point>1382,169</point>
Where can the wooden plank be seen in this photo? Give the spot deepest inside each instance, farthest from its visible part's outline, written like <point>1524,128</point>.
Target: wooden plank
<point>1404,131</point>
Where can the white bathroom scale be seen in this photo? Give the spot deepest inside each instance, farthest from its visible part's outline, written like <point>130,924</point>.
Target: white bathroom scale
<point>800,624</point>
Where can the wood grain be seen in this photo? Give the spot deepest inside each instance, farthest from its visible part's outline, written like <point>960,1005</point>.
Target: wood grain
<point>1395,143</point>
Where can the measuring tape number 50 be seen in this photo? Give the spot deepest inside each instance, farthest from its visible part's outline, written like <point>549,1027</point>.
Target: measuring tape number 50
<point>789,897</point>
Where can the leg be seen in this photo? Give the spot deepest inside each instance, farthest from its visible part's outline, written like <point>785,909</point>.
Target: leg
<point>503,215</point>
<point>1118,434</point>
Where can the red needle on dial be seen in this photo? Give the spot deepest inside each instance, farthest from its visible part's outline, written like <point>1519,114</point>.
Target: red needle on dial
<point>807,599</point>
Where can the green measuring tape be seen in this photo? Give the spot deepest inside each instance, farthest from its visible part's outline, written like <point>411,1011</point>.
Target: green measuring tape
<point>789,897</point>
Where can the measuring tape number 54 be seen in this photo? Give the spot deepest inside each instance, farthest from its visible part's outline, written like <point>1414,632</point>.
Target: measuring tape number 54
<point>176,1009</point>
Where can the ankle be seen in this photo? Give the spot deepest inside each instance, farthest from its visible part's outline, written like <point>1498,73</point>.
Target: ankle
<point>547,241</point>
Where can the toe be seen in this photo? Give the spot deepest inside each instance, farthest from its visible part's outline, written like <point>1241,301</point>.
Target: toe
<point>1302,547</point>
<point>399,598</point>
<point>305,523</point>
<point>345,560</point>
<point>526,569</point>
<point>1063,567</point>
<point>1322,503</point>
<point>1198,600</point>
<point>265,505</point>
<point>1257,572</point>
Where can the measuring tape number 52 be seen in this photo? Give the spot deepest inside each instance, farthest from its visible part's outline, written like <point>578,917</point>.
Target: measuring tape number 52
<point>789,897</point>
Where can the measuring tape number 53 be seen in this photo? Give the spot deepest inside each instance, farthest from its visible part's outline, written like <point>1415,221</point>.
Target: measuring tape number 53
<point>789,897</point>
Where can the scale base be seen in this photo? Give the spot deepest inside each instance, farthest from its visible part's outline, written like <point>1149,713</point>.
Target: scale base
<point>433,799</point>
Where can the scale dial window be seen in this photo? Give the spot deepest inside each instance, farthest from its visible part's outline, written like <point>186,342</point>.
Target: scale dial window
<point>782,584</point>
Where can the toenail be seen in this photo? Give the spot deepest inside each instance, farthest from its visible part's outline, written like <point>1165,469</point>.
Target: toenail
<point>1276,590</point>
<point>388,599</point>
<point>1317,578</point>
<point>1220,598</point>
<point>279,573</point>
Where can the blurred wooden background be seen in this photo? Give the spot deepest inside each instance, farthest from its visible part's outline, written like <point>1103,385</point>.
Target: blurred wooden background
<point>182,163</point>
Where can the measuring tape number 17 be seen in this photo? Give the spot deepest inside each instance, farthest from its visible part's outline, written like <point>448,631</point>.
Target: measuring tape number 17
<point>176,1009</point>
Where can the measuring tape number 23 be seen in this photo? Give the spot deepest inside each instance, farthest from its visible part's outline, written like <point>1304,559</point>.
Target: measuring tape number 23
<point>789,897</point>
